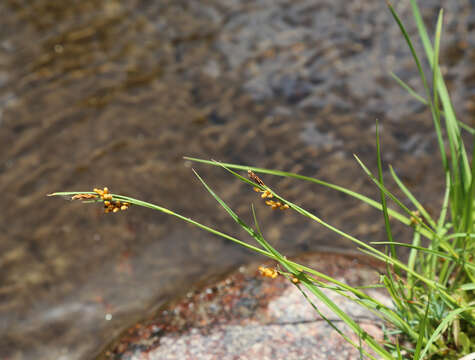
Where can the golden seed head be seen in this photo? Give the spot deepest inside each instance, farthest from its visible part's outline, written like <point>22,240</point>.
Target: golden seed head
<point>106,190</point>
<point>123,207</point>
<point>267,194</point>
<point>116,209</point>
<point>267,272</point>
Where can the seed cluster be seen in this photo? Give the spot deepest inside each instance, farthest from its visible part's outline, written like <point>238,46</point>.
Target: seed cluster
<point>111,205</point>
<point>266,194</point>
<point>277,205</point>
<point>268,272</point>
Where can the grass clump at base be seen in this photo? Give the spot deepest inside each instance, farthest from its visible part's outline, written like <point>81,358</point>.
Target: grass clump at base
<point>433,294</point>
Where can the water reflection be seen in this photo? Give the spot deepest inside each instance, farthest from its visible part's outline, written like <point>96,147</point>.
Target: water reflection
<point>110,93</point>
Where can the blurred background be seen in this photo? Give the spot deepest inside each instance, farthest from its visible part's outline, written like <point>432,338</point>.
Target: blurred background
<point>113,93</point>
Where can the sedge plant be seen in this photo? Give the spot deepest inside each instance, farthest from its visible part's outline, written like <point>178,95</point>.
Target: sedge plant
<point>432,315</point>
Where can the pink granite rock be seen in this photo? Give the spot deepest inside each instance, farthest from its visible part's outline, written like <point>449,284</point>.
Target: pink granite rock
<point>247,316</point>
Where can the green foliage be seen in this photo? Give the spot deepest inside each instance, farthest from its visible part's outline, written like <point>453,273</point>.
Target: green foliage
<point>433,295</point>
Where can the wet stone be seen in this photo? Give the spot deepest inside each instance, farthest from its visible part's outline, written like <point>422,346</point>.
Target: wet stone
<point>247,316</point>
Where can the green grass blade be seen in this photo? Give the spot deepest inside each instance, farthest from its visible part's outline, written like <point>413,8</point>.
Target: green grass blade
<point>412,198</point>
<point>467,127</point>
<point>468,215</point>
<point>388,193</point>
<point>420,248</point>
<point>422,100</point>
<point>332,325</point>
<point>383,197</point>
<point>453,130</point>
<point>467,287</point>
<point>370,341</point>
<point>398,350</point>
<point>422,331</point>
<point>225,206</point>
<point>460,235</point>
<point>412,261</point>
<point>362,244</point>
<point>413,52</point>
<point>445,203</point>
<point>435,96</point>
<point>410,90</point>
<point>394,214</point>
<point>181,217</point>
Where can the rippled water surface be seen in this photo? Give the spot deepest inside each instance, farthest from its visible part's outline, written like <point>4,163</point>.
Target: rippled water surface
<point>96,93</point>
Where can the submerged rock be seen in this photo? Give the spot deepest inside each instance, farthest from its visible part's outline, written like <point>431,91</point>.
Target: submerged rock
<point>247,316</point>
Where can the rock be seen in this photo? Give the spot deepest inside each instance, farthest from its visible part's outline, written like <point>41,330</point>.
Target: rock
<point>247,316</point>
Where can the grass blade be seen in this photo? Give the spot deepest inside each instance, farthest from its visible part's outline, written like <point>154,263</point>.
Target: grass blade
<point>383,198</point>
<point>394,214</point>
<point>413,199</point>
<point>422,331</point>
<point>451,122</point>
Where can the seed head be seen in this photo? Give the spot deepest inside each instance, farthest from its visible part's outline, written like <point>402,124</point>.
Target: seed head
<point>268,272</point>
<point>110,205</point>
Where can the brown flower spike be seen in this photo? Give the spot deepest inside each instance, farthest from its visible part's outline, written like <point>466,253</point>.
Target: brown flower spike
<point>255,178</point>
<point>84,197</point>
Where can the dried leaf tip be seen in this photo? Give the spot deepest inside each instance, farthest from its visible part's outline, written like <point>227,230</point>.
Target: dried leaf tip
<point>255,178</point>
<point>84,197</point>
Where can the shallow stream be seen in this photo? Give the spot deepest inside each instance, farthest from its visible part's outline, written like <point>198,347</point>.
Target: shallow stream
<point>114,93</point>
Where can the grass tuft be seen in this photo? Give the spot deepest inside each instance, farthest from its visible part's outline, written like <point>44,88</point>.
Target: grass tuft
<point>433,294</point>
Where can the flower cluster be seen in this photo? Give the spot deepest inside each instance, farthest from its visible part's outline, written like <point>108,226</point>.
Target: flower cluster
<point>267,272</point>
<point>277,205</point>
<point>266,194</point>
<point>111,205</point>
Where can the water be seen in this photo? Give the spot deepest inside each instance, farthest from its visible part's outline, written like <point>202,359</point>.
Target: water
<point>106,93</point>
